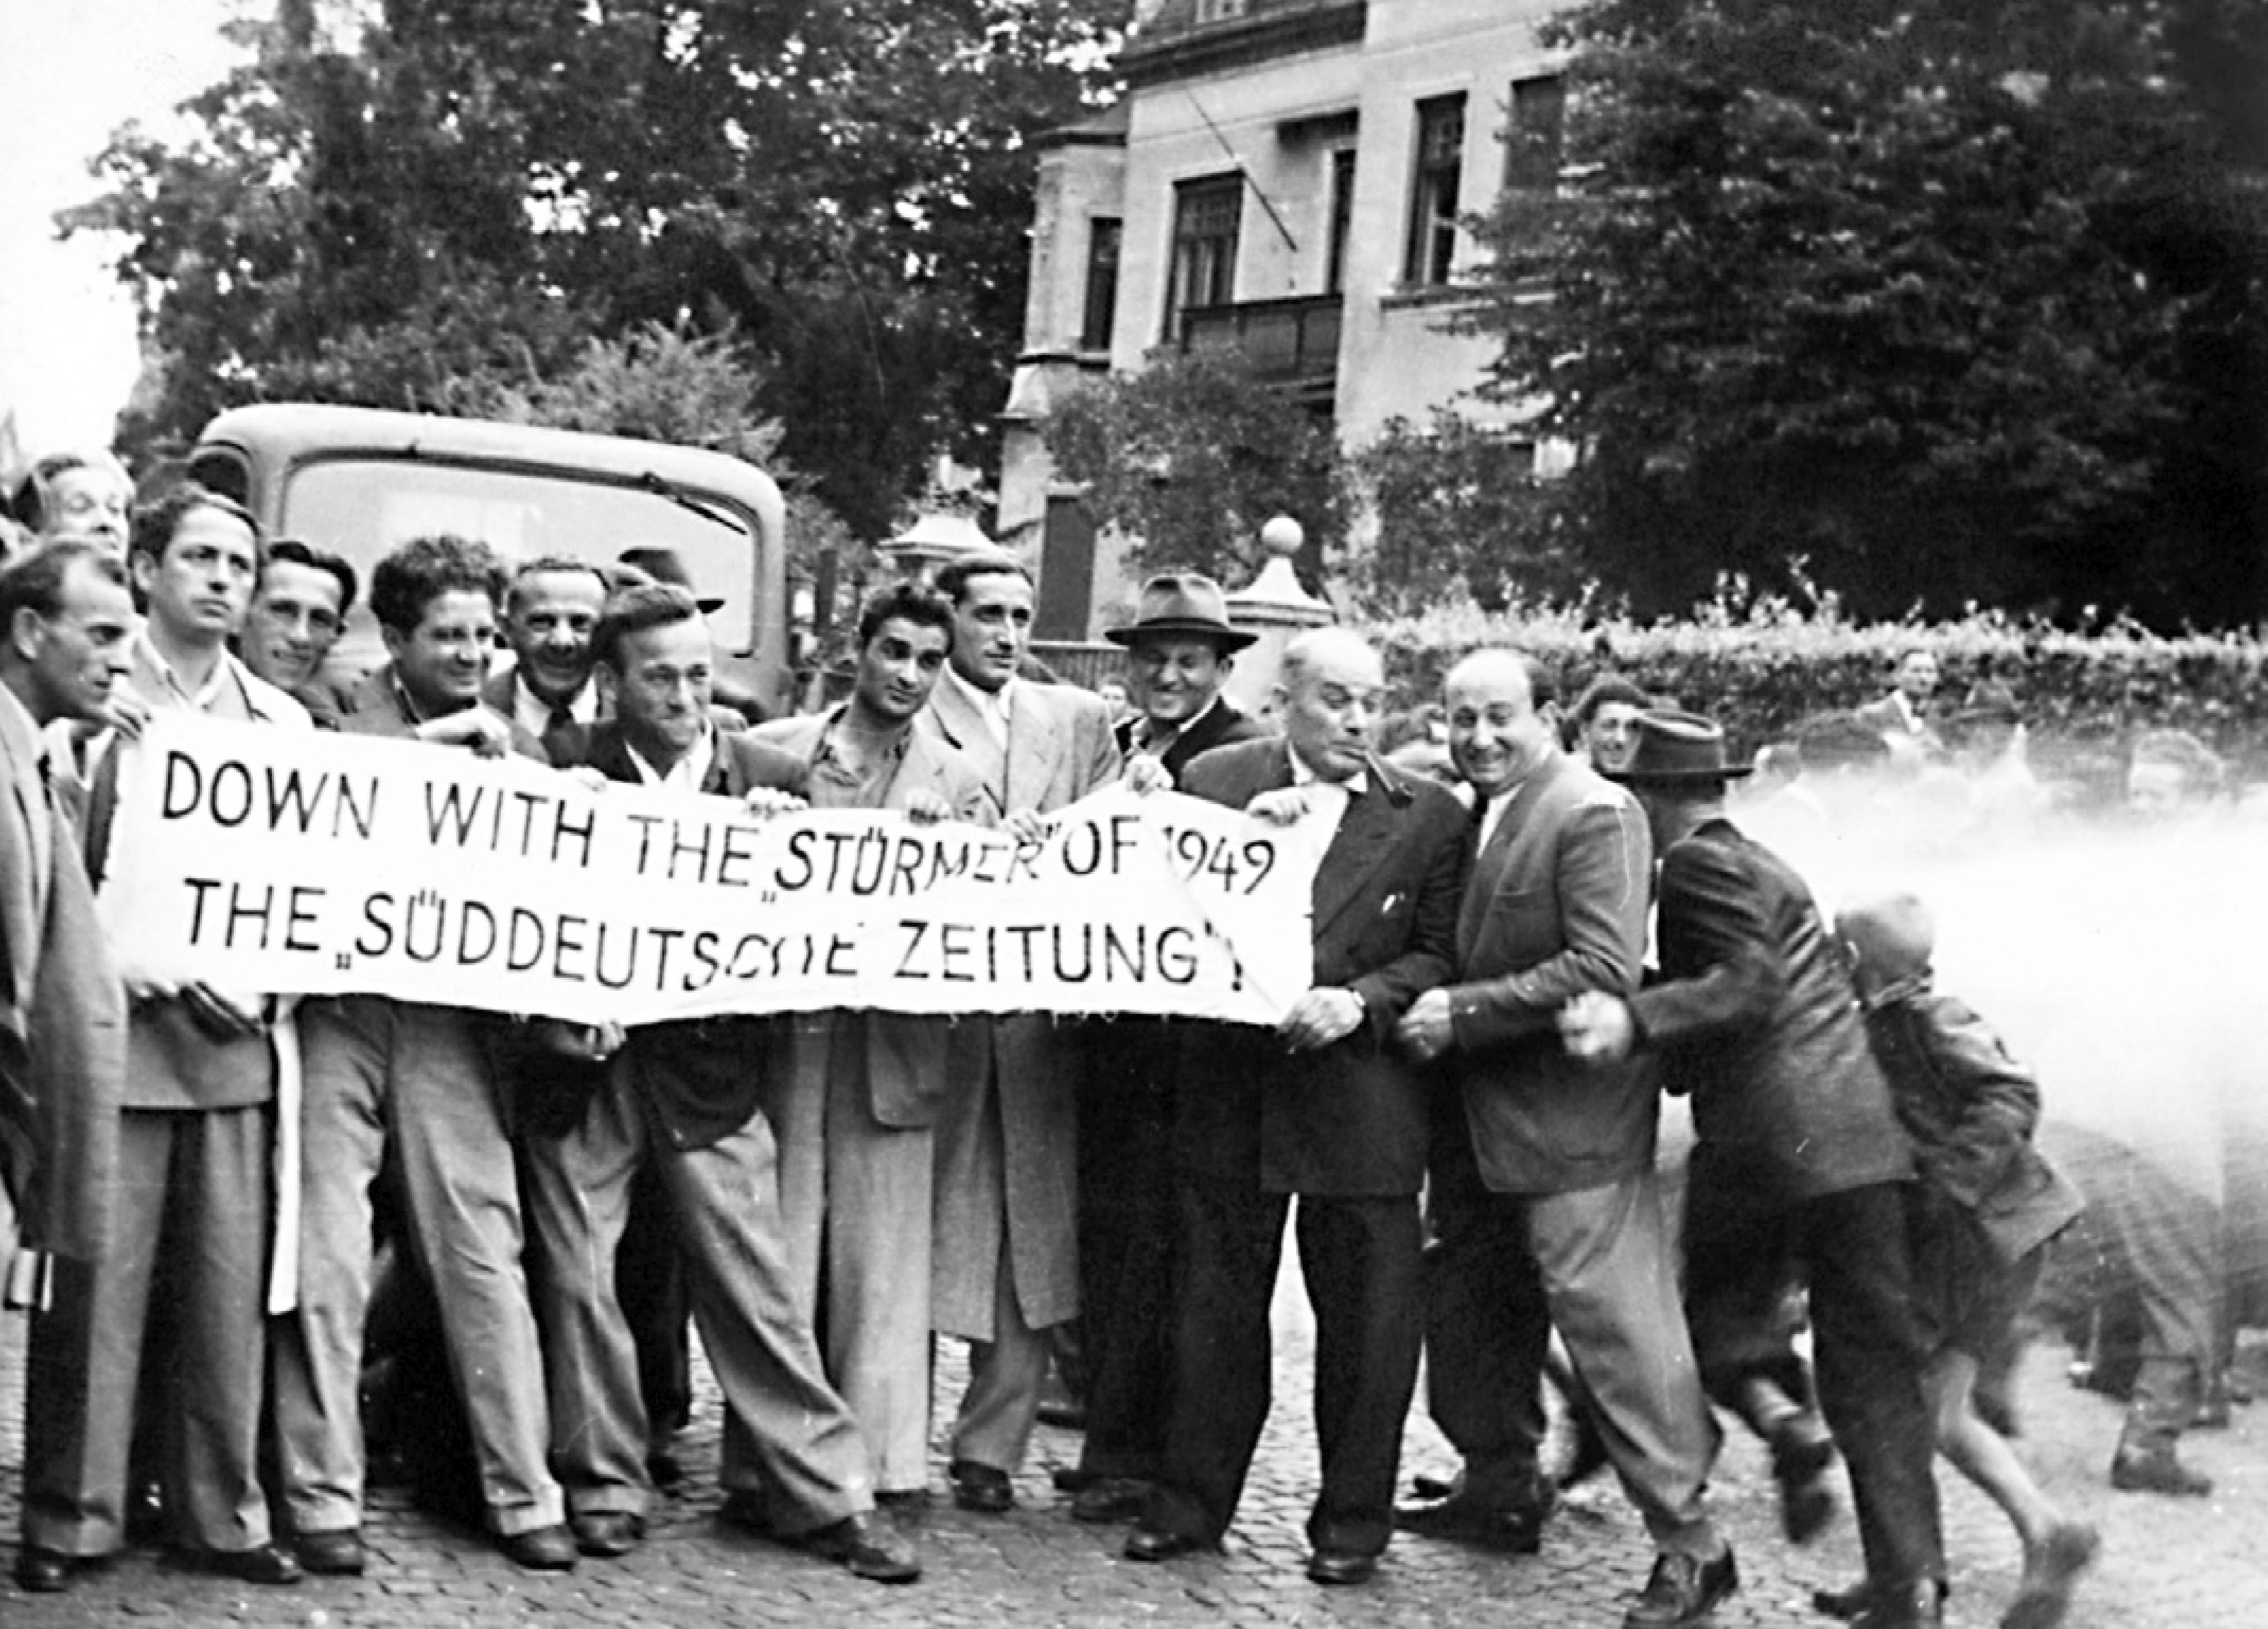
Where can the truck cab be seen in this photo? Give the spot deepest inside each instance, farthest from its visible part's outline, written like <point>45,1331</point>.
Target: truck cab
<point>360,481</point>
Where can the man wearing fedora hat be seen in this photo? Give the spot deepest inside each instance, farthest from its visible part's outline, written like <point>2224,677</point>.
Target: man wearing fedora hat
<point>1799,1157</point>
<point>1180,650</point>
<point>1181,647</point>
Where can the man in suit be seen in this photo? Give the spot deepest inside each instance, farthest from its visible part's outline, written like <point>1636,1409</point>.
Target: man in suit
<point>551,608</point>
<point>854,1096</point>
<point>1007,1150</point>
<point>412,1084</point>
<point>1800,1157</point>
<point>196,1133</point>
<point>1322,1107</point>
<point>1181,648</point>
<point>66,624</point>
<point>680,1100</point>
<point>1902,717</point>
<point>1564,1155</point>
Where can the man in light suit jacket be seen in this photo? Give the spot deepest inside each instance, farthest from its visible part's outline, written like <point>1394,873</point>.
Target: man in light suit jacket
<point>1007,1228</point>
<point>65,623</point>
<point>1322,1108</point>
<point>679,1103</point>
<point>1564,1154</point>
<point>854,1096</point>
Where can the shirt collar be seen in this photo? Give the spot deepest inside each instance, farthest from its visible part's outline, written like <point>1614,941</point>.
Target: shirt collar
<point>169,685</point>
<point>993,702</point>
<point>533,713</point>
<point>1149,737</point>
<point>1356,784</point>
<point>689,773</point>
<point>19,728</point>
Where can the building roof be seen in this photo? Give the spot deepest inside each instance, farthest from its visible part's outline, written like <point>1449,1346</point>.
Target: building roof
<point>1170,42</point>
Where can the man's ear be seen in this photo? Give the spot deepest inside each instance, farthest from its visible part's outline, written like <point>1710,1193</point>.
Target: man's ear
<point>393,639</point>
<point>610,683</point>
<point>27,633</point>
<point>142,566</point>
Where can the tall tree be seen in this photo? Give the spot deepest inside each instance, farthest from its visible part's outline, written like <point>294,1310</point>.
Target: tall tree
<point>1911,290</point>
<point>481,185</point>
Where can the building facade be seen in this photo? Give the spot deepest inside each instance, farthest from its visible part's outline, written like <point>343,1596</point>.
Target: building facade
<point>1284,177</point>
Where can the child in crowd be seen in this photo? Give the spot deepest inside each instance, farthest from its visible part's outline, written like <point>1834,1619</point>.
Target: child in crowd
<point>1980,1219</point>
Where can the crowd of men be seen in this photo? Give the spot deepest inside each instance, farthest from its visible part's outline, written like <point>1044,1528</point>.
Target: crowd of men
<point>1459,1119</point>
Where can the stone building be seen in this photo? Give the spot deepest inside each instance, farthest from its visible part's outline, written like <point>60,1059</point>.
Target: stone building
<point>1283,176</point>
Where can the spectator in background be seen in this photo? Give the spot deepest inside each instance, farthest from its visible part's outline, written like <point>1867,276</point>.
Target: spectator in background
<point>1602,725</point>
<point>1903,716</point>
<point>1181,649</point>
<point>297,614</point>
<point>79,495</point>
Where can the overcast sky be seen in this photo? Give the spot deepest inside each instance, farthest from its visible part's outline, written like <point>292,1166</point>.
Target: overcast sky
<point>70,72</point>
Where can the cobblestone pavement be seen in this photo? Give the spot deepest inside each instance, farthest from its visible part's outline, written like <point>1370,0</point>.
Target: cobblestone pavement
<point>2168,1564</point>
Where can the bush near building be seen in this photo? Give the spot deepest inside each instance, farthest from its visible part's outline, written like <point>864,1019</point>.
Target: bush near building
<point>1761,666</point>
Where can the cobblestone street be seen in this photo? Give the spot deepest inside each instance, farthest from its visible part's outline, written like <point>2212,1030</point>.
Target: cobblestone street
<point>2166,1564</point>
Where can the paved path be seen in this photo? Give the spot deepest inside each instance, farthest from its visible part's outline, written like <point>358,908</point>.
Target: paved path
<point>2168,1565</point>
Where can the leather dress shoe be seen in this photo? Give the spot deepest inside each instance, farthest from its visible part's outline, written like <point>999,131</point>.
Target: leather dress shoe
<point>263,1564</point>
<point>1845,1603</point>
<point>1156,1544</point>
<point>1341,1566</point>
<point>868,1548</point>
<point>607,1533</point>
<point>333,1552</point>
<point>981,1488</point>
<point>42,1571</point>
<point>1682,1592</point>
<point>1110,1499</point>
<point>744,1508</point>
<point>1918,1606</point>
<point>2157,1471</point>
<point>540,1549</point>
<point>1516,1529</point>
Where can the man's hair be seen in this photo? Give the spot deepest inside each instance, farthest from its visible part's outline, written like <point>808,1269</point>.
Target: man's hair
<point>953,582</point>
<point>155,523</point>
<point>1607,687</point>
<point>34,580</point>
<point>908,601</point>
<point>426,568</point>
<point>291,551</point>
<point>545,565</point>
<point>29,503</point>
<point>637,609</point>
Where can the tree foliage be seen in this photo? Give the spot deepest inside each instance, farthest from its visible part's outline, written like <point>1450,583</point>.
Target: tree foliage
<point>1951,300</point>
<point>1191,456</point>
<point>381,202</point>
<point>1458,512</point>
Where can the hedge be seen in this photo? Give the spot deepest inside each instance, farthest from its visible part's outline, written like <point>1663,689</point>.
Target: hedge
<point>1760,667</point>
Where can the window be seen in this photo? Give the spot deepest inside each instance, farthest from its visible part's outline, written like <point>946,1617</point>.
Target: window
<point>1104,234</point>
<point>1433,193</point>
<point>1204,271</point>
<point>1341,219</point>
<point>1219,10</point>
<point>1531,142</point>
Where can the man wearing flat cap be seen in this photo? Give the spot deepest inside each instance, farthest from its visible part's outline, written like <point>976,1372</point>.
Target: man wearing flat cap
<point>1180,647</point>
<point>1799,1157</point>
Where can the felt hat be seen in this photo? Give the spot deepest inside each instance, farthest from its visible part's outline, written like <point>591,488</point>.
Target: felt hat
<point>1676,749</point>
<point>1182,605</point>
<point>662,565</point>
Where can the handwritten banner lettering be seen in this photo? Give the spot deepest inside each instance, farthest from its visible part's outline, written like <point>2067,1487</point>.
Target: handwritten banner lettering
<point>256,858</point>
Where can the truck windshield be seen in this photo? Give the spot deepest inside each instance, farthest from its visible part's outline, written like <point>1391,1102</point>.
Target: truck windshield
<point>363,508</point>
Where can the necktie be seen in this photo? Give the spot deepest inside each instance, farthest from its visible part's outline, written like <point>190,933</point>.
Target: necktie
<point>559,735</point>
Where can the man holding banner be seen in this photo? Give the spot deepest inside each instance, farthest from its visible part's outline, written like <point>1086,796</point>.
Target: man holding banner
<point>1007,1181</point>
<point>681,1099</point>
<point>196,1133</point>
<point>1324,1107</point>
<point>417,1076</point>
<point>854,1096</point>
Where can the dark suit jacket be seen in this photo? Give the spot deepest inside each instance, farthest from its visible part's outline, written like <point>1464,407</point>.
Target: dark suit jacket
<point>1348,1120</point>
<point>1556,906</point>
<point>1970,1110</point>
<point>1222,725</point>
<point>1759,1022</point>
<point>699,1080</point>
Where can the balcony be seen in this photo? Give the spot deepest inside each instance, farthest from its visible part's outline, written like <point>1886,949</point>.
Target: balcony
<point>1290,343</point>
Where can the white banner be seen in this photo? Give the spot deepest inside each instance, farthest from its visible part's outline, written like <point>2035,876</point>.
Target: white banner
<point>288,861</point>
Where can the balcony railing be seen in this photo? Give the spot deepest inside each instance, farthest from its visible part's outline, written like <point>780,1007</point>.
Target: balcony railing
<point>1290,344</point>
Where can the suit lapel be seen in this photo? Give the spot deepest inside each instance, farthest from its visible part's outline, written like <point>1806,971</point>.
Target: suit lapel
<point>1490,866</point>
<point>958,722</point>
<point>1035,744</point>
<point>1364,839</point>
